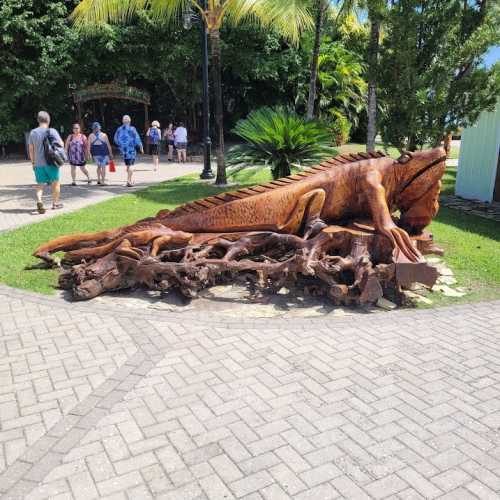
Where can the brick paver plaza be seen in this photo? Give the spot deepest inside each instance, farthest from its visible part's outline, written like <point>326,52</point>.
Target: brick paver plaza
<point>101,403</point>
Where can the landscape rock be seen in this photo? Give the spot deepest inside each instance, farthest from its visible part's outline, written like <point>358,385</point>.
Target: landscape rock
<point>383,303</point>
<point>446,280</point>
<point>447,291</point>
<point>417,297</point>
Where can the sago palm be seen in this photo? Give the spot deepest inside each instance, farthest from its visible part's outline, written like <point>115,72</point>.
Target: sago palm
<point>279,138</point>
<point>288,17</point>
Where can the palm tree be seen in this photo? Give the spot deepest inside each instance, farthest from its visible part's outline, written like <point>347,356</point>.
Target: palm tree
<point>376,10</point>
<point>288,17</point>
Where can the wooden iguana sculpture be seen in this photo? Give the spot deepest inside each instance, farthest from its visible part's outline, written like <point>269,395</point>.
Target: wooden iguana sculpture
<point>367,187</point>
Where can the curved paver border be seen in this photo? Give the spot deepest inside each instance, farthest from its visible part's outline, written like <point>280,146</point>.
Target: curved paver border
<point>223,321</point>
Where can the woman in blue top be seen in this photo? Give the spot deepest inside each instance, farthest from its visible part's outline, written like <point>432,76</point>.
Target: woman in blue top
<point>128,140</point>
<point>100,149</point>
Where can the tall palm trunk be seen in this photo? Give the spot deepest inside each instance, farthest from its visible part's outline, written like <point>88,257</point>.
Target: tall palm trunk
<point>321,6</point>
<point>219,109</point>
<point>373,50</point>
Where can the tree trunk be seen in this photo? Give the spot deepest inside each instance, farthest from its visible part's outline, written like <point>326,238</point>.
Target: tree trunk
<point>219,109</point>
<point>321,6</point>
<point>373,50</point>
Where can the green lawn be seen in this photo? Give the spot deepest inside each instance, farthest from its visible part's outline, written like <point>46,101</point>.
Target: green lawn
<point>472,244</point>
<point>472,251</point>
<point>449,178</point>
<point>354,147</point>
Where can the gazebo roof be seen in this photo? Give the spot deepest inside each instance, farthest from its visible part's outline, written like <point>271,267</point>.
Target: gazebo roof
<point>111,91</point>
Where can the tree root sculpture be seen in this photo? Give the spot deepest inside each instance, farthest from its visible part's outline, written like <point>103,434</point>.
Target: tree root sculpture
<point>289,230</point>
<point>348,264</point>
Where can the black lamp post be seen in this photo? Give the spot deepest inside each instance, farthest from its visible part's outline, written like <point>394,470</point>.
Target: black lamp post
<point>207,143</point>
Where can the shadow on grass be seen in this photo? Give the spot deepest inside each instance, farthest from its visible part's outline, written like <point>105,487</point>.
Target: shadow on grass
<point>470,223</point>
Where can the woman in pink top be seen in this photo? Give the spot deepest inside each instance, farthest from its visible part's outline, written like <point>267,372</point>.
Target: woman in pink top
<point>76,149</point>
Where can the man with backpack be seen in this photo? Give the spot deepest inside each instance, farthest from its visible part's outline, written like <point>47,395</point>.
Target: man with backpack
<point>154,135</point>
<point>45,146</point>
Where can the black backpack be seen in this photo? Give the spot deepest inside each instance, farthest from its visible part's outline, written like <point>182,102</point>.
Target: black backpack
<point>53,152</point>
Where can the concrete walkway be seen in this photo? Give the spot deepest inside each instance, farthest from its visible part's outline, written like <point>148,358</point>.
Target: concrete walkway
<point>97,402</point>
<point>17,194</point>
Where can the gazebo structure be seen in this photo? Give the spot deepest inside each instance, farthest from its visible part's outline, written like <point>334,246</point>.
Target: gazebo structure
<point>112,91</point>
<point>478,175</point>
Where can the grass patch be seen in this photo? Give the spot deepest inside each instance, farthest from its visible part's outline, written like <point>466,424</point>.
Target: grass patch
<point>471,244</point>
<point>356,147</point>
<point>448,180</point>
<point>472,251</point>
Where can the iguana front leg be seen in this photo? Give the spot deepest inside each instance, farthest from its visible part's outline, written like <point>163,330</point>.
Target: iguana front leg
<point>307,214</point>
<point>382,219</point>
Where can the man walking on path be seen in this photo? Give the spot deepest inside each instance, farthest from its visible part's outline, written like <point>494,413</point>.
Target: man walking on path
<point>128,140</point>
<point>44,173</point>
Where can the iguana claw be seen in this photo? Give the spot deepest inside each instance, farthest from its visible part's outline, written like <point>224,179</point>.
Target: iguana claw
<point>402,241</point>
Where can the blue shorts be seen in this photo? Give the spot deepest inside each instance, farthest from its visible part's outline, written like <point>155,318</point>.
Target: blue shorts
<point>46,174</point>
<point>101,161</point>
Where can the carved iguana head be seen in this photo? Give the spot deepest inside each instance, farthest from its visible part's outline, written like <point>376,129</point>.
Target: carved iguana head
<point>418,179</point>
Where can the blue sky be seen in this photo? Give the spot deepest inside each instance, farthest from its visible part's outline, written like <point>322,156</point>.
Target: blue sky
<point>492,56</point>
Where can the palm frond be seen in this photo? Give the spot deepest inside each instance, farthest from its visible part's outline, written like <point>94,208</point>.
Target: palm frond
<point>94,13</point>
<point>287,17</point>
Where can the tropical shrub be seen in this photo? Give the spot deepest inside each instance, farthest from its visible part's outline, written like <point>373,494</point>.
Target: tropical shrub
<point>342,88</point>
<point>339,127</point>
<point>280,139</point>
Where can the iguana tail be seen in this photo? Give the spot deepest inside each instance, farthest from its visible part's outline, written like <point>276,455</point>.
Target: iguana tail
<point>75,242</point>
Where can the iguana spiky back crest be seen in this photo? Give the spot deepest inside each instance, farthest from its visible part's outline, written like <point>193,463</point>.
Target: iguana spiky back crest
<point>220,199</point>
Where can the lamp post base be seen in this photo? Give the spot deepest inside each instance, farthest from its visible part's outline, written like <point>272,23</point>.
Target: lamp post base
<point>207,175</point>
<point>207,163</point>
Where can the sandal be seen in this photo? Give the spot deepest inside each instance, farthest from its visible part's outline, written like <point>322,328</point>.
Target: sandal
<point>89,181</point>
<point>40,207</point>
<point>73,183</point>
<point>129,185</point>
<point>57,206</point>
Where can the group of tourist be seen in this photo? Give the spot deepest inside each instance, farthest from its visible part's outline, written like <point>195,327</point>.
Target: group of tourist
<point>80,148</point>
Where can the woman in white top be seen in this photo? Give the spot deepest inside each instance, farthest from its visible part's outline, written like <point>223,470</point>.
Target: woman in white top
<point>181,139</point>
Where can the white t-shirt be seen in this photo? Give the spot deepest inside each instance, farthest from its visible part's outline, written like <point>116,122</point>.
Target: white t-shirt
<point>181,134</point>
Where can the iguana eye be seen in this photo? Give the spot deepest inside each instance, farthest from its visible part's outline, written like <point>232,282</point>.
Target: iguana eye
<point>405,157</point>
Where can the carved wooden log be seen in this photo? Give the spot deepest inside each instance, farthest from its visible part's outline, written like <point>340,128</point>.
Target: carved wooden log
<point>350,265</point>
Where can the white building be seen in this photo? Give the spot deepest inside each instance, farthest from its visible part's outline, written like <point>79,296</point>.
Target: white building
<point>478,175</point>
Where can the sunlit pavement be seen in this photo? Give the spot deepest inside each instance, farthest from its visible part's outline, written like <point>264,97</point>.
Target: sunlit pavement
<point>17,193</point>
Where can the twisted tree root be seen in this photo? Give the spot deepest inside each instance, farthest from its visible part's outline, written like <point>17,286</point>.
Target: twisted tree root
<point>349,265</point>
